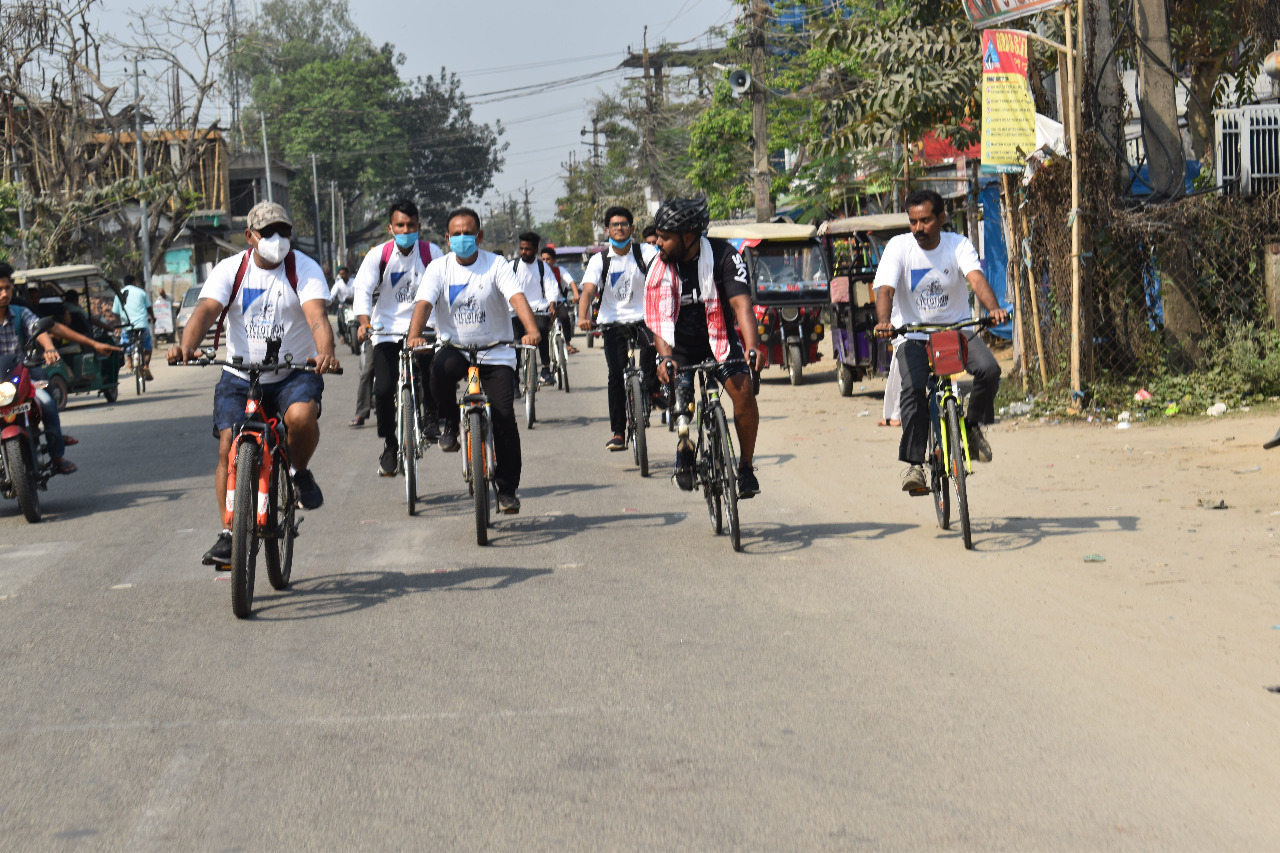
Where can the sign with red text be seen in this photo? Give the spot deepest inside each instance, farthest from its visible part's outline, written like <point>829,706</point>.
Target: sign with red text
<point>984,13</point>
<point>1008,111</point>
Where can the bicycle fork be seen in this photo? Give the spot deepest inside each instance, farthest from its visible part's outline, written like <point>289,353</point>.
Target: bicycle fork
<point>936,405</point>
<point>266,459</point>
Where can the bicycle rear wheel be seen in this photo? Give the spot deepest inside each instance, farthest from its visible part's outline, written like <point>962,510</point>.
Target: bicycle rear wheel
<point>279,551</point>
<point>707,479</point>
<point>530,390</point>
<point>728,478</point>
<point>635,414</point>
<point>137,373</point>
<point>244,538</point>
<point>479,483</point>
<point>408,449</point>
<point>562,355</point>
<point>938,486</point>
<point>958,472</point>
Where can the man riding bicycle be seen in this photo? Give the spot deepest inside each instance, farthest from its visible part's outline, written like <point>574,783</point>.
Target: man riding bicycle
<point>133,306</point>
<point>270,291</point>
<point>694,292</point>
<point>474,289</point>
<point>925,277</point>
<point>568,290</point>
<point>538,283</point>
<point>621,283</point>
<point>394,269</point>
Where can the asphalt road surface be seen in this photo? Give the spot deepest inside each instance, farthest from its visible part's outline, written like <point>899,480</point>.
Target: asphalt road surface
<point>606,674</point>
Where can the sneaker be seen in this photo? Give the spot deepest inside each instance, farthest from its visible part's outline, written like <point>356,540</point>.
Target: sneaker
<point>978,443</point>
<point>146,374</point>
<point>356,422</point>
<point>913,479</point>
<point>546,377</point>
<point>748,485</point>
<point>219,556</point>
<point>430,426</point>
<point>616,443</point>
<point>508,504</point>
<point>309,494</point>
<point>389,461</point>
<point>449,439</point>
<point>684,470</point>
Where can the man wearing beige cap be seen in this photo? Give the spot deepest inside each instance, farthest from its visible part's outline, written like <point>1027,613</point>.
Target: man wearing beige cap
<point>270,292</point>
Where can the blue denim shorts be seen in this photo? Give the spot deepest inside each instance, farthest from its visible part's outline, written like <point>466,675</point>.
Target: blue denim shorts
<point>232,393</point>
<point>126,335</point>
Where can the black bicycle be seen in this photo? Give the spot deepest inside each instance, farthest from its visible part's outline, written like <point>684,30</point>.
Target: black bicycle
<point>716,472</point>
<point>637,399</point>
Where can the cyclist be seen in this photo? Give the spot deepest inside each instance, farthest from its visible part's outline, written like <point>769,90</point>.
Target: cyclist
<point>568,290</point>
<point>650,235</point>
<point>269,291</point>
<point>621,301</point>
<point>474,289</point>
<point>341,294</point>
<point>394,269</point>
<point>925,277</point>
<point>135,309</point>
<point>540,288</point>
<point>694,292</point>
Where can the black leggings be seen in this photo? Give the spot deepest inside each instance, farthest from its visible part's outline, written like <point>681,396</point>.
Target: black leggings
<point>544,329</point>
<point>386,376</point>
<point>499,383</point>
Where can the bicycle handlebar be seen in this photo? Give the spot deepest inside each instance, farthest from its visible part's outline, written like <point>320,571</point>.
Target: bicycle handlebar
<point>255,366</point>
<point>934,327</point>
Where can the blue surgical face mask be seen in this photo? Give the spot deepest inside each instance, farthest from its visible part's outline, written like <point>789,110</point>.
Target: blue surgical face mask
<point>406,241</point>
<point>619,244</point>
<point>463,245</point>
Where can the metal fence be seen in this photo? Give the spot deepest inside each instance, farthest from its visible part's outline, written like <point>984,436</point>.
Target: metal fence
<point>1248,149</point>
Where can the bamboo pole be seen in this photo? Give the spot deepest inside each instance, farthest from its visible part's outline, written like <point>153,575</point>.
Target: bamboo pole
<point>1019,234</point>
<point>1073,113</point>
<point>1011,278</point>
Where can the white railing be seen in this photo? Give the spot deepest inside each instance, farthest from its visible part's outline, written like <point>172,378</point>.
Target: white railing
<point>1248,149</point>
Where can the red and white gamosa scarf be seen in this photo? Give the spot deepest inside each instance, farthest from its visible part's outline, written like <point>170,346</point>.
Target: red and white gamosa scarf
<point>662,301</point>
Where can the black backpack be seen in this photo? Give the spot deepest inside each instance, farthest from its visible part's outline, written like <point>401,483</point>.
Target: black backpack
<point>635,251</point>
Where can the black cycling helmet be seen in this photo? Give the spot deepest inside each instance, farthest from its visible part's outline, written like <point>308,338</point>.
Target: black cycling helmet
<point>683,214</point>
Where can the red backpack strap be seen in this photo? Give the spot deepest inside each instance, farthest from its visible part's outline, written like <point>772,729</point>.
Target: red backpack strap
<point>386,259</point>
<point>235,288</point>
<point>424,252</point>
<point>291,270</point>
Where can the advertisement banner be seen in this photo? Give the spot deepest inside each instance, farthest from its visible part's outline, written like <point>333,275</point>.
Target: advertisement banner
<point>1008,111</point>
<point>984,13</point>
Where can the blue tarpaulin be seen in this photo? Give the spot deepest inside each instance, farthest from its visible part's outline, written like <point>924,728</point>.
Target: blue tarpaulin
<point>995,261</point>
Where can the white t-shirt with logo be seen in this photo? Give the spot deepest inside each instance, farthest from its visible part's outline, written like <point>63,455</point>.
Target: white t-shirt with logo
<point>267,307</point>
<point>929,287</point>
<point>399,289</point>
<point>622,297</point>
<point>539,293</point>
<point>471,302</point>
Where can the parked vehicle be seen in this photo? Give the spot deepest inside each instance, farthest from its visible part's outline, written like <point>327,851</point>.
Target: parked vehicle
<point>790,286</point>
<point>80,371</point>
<point>856,243</point>
<point>189,300</point>
<point>25,468</point>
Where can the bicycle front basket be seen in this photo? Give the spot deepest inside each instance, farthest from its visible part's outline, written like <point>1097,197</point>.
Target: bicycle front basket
<point>948,352</point>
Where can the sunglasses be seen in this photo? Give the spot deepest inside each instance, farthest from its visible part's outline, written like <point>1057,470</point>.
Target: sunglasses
<point>268,231</point>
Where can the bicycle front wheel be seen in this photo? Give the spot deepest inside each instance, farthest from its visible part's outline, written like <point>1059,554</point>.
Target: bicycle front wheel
<point>728,465</point>
<point>479,481</point>
<point>137,373</point>
<point>279,551</point>
<point>244,538</point>
<point>408,449</point>
<point>707,479</point>
<point>635,412</point>
<point>530,390</point>
<point>562,354</point>
<point>958,472</point>
<point>939,488</point>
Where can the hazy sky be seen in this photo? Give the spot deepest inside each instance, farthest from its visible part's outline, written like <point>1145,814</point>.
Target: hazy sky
<point>501,44</point>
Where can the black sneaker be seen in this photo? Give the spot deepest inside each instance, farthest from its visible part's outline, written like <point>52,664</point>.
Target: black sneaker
<point>508,504</point>
<point>430,426</point>
<point>219,556</point>
<point>546,377</point>
<point>748,485</point>
<point>616,443</point>
<point>309,494</point>
<point>449,440</point>
<point>684,470</point>
<point>388,461</point>
<point>978,444</point>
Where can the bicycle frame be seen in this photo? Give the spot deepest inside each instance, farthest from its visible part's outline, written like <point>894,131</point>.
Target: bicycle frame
<point>940,390</point>
<point>268,434</point>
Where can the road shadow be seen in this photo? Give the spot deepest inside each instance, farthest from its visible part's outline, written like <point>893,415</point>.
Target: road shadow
<point>558,490</point>
<point>571,420</point>
<point>69,505</point>
<point>523,532</point>
<point>1016,533</point>
<point>774,538</point>
<point>772,460</point>
<point>347,592</point>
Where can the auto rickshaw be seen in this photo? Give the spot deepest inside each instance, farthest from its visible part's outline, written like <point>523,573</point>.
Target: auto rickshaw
<point>790,286</point>
<point>856,243</point>
<point>79,371</point>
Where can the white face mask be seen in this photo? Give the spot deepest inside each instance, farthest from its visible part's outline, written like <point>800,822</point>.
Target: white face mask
<point>273,249</point>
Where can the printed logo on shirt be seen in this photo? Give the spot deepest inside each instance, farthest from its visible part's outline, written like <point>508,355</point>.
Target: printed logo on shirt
<point>931,297</point>
<point>455,290</point>
<point>249,296</point>
<point>395,277</point>
<point>740,269</point>
<point>620,283</point>
<point>468,313</point>
<point>261,322</point>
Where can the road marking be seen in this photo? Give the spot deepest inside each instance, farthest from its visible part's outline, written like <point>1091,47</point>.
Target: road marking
<point>166,799</point>
<point>123,586</point>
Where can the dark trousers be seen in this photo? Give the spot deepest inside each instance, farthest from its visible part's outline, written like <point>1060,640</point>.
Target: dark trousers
<point>566,325</point>
<point>614,342</point>
<point>386,379</point>
<point>499,383</point>
<point>913,368</point>
<point>544,329</point>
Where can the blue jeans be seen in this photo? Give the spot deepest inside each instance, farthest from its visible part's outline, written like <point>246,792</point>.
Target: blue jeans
<point>126,336</point>
<point>49,414</point>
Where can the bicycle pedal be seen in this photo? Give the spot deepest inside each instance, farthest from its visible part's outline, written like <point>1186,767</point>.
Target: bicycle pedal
<point>919,493</point>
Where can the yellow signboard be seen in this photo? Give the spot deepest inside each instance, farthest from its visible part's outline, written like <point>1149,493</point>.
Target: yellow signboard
<point>1008,111</point>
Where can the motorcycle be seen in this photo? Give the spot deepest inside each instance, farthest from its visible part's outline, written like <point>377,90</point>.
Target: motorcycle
<point>348,326</point>
<point>25,468</point>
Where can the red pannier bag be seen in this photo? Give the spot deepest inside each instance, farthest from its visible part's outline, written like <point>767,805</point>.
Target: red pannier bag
<point>948,351</point>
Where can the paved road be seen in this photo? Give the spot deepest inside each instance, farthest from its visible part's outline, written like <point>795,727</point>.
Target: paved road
<point>607,674</point>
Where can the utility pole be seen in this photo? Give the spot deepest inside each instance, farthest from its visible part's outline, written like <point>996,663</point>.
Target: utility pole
<point>342,232</point>
<point>22,211</point>
<point>266,156</point>
<point>1161,136</point>
<point>333,224</point>
<point>528,220</point>
<point>315,195</point>
<point>759,120</point>
<point>653,191</point>
<point>144,229</point>
<point>235,77</point>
